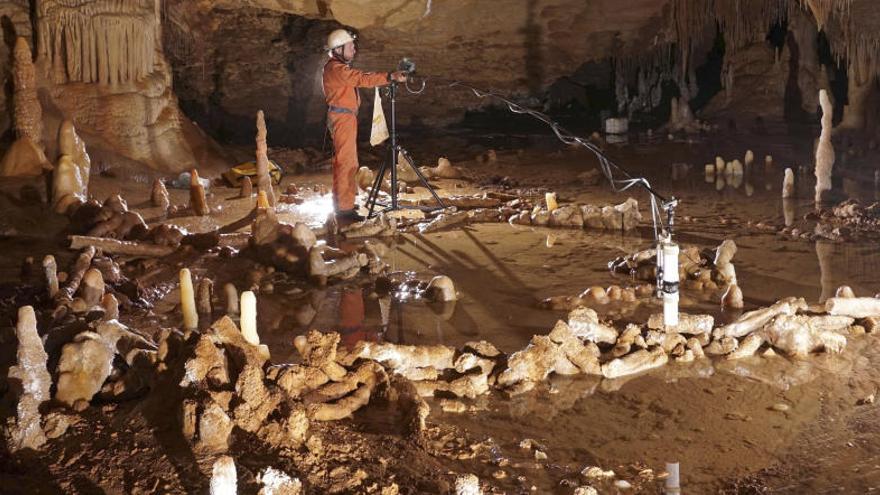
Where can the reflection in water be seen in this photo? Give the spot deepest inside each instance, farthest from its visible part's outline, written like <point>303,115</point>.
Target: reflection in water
<point>824,250</point>
<point>788,211</point>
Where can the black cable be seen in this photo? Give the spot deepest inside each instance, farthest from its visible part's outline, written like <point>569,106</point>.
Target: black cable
<point>606,166</point>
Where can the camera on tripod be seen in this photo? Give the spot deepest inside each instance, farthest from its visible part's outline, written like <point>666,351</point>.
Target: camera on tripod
<point>407,65</point>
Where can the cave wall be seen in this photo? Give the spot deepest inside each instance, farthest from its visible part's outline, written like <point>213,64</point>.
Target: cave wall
<point>268,54</point>
<point>222,60</point>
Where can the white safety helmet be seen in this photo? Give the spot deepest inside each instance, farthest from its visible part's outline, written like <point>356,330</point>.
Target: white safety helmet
<point>338,38</point>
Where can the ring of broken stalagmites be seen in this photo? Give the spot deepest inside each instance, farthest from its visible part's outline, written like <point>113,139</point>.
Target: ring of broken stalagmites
<point>710,272</point>
<point>497,208</point>
<point>847,221</point>
<point>228,382</point>
<point>294,249</point>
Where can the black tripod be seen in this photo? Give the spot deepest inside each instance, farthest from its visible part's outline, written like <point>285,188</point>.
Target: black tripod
<point>393,151</point>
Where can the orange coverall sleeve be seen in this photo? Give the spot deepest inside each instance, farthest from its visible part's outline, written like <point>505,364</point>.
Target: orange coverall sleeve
<point>361,79</point>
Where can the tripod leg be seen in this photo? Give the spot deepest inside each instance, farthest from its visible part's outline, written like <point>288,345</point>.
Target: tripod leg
<point>373,197</point>
<point>422,178</point>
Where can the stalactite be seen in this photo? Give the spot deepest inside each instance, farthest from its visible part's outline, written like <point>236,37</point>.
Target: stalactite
<point>106,42</point>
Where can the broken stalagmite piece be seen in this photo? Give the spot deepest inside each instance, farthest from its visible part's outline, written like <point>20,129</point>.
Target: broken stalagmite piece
<point>855,307</point>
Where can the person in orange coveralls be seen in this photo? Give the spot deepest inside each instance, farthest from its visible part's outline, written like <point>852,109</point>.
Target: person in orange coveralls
<point>340,83</point>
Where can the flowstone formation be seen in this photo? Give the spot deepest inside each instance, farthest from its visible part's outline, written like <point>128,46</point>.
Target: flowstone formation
<point>105,72</point>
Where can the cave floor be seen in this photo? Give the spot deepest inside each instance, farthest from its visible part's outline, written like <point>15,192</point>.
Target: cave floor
<point>720,420</point>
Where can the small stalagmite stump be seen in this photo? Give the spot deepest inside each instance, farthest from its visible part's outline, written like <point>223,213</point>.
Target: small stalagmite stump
<point>231,299</point>
<point>197,200</point>
<point>50,271</point>
<point>92,287</point>
<point>732,298</point>
<point>159,195</point>
<point>247,188</point>
<point>205,295</point>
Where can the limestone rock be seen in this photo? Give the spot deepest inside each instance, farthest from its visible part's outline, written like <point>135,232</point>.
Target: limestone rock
<point>441,289</point>
<point>214,429</point>
<point>85,364</point>
<point>276,482</point>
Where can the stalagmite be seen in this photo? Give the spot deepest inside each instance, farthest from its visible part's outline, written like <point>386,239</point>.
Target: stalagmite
<point>205,296</point>
<point>749,159</point>
<point>788,184</point>
<point>825,150</point>
<point>719,165</point>
<point>224,479</point>
<point>159,195</point>
<point>28,116</point>
<point>188,301</point>
<point>197,200</point>
<point>29,383</point>
<point>768,162</point>
<point>247,188</point>
<point>249,317</point>
<point>50,271</point>
<point>67,184</point>
<point>70,144</point>
<point>550,199</point>
<point>264,181</point>
<point>231,299</point>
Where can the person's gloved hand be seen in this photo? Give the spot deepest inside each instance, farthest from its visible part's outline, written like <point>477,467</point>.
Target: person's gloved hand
<point>398,76</point>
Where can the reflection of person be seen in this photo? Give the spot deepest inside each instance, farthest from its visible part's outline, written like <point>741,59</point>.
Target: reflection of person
<point>351,318</point>
<point>340,82</point>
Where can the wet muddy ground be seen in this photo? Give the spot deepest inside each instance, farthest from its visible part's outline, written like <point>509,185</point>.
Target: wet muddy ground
<point>760,425</point>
